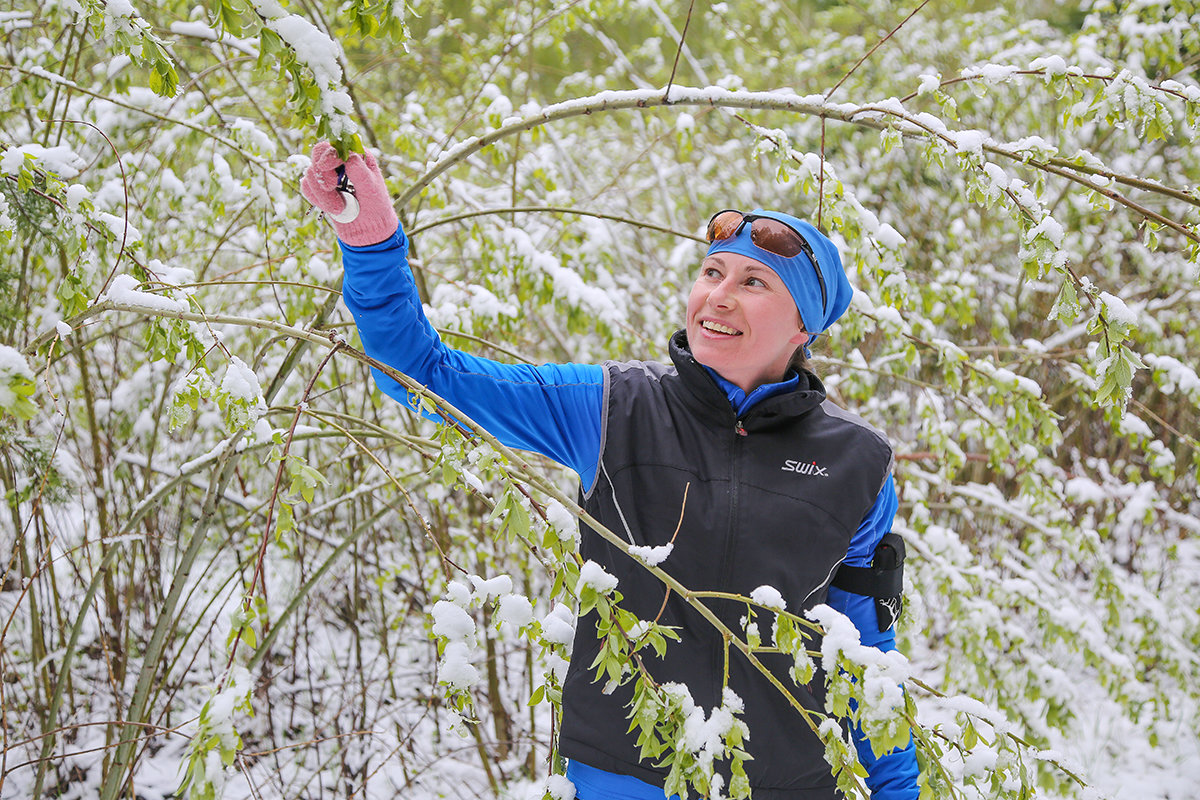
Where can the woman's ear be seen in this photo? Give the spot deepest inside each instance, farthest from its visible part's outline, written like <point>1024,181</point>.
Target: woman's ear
<point>803,337</point>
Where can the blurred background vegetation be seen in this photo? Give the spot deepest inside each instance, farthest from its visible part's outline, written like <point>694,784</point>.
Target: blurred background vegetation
<point>1023,238</point>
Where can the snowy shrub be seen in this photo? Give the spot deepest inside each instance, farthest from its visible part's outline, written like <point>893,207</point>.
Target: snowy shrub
<point>233,568</point>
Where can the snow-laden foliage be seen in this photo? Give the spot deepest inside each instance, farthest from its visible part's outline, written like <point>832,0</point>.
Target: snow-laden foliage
<point>232,568</point>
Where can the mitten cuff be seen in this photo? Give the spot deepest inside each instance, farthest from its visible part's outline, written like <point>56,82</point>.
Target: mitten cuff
<point>373,226</point>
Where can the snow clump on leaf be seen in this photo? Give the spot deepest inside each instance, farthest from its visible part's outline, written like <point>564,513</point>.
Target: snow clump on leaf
<point>124,291</point>
<point>515,610</point>
<point>593,575</point>
<point>491,588</point>
<point>558,627</point>
<point>452,622</point>
<point>651,556</point>
<point>562,520</point>
<point>770,597</point>
<point>559,788</point>
<point>456,669</point>
<point>241,382</point>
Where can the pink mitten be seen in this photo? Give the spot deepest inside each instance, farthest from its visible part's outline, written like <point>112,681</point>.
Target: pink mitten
<point>376,219</point>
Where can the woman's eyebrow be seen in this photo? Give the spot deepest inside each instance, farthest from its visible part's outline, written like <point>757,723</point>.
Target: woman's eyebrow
<point>758,270</point>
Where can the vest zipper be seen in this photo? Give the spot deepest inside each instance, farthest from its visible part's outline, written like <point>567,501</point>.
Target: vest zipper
<point>731,541</point>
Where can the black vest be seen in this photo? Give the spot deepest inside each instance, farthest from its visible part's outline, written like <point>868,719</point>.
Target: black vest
<point>772,499</point>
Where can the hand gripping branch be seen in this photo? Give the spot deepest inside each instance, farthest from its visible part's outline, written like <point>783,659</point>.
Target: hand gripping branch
<point>346,190</point>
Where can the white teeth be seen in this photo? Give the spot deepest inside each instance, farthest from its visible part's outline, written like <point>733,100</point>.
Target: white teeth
<point>717,327</point>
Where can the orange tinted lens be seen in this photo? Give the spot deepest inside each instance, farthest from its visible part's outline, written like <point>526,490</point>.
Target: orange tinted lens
<point>724,225</point>
<point>775,237</point>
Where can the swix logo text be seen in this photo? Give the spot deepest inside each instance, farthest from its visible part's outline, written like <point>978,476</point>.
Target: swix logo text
<point>805,468</point>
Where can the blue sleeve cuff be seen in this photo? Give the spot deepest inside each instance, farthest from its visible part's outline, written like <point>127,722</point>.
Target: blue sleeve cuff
<point>397,239</point>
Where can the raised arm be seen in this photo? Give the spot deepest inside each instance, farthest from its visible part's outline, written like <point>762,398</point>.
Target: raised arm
<point>552,409</point>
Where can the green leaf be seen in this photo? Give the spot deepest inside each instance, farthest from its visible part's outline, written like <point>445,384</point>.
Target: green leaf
<point>1066,306</point>
<point>587,599</point>
<point>970,736</point>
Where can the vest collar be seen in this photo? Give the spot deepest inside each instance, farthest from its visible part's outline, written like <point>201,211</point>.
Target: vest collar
<point>711,399</point>
<point>743,402</point>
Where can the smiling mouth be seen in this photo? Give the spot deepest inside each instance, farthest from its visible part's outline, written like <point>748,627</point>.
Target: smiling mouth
<point>717,327</point>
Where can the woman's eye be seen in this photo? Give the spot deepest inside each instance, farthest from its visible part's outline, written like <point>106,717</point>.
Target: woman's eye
<point>755,282</point>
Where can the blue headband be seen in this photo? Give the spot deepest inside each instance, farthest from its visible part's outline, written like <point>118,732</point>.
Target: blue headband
<point>797,272</point>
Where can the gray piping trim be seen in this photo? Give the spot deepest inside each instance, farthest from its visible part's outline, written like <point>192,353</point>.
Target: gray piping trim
<point>603,470</point>
<point>823,584</point>
<point>603,434</point>
<point>834,410</point>
<point>617,503</point>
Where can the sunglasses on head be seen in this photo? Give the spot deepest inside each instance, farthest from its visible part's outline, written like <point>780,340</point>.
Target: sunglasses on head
<point>767,233</point>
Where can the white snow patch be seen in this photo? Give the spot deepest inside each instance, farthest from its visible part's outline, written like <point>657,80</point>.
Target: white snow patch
<point>992,73</point>
<point>840,633</point>
<point>60,159</point>
<point>1172,374</point>
<point>515,610</point>
<point>770,597</point>
<point>593,575</point>
<point>889,237</point>
<point>651,556</point>
<point>495,587</point>
<point>1049,227</point>
<point>458,593</point>
<point>76,194</point>
<point>456,669</point>
<point>120,228</point>
<point>558,627</point>
<point>241,382</point>
<point>124,291</point>
<point>1133,425</point>
<point>559,788</point>
<point>562,520</point>
<point>970,141</point>
<point>703,734</point>
<point>452,621</point>
<point>1052,65</point>
<point>321,55</point>
<point>13,363</point>
<point>1117,310</point>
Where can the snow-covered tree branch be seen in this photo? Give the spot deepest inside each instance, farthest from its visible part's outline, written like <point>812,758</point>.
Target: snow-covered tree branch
<point>232,567</point>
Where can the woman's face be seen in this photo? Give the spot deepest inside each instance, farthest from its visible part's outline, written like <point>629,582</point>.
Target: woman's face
<point>742,321</point>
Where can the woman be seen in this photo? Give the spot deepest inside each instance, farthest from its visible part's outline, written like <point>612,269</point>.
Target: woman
<point>782,486</point>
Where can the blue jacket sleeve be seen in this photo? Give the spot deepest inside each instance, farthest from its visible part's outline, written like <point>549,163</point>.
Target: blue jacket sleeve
<point>892,776</point>
<point>552,409</point>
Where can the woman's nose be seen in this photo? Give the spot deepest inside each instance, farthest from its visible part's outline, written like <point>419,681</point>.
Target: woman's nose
<point>722,295</point>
